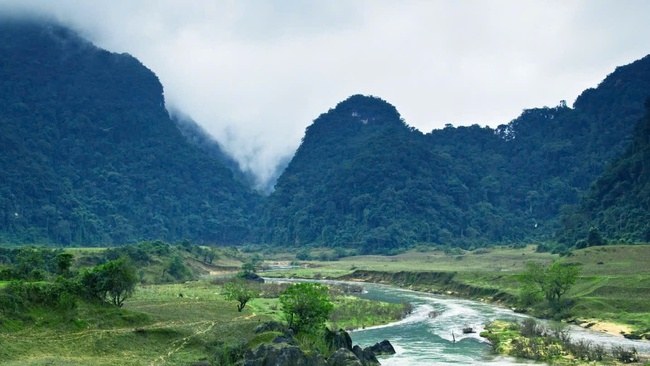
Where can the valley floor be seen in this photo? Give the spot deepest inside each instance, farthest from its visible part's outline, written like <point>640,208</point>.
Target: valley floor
<point>612,293</point>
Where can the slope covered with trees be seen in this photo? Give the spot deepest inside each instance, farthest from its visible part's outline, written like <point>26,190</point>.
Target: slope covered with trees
<point>90,156</point>
<point>364,179</point>
<point>617,204</point>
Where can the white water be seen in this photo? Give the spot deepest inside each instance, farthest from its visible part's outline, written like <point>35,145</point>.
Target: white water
<point>422,340</point>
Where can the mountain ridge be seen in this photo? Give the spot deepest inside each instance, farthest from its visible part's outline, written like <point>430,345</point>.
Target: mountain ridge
<point>90,156</point>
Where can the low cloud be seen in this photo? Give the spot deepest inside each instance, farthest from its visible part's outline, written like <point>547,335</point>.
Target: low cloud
<point>255,74</point>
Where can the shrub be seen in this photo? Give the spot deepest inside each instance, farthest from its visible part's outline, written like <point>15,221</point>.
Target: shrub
<point>530,328</point>
<point>625,355</point>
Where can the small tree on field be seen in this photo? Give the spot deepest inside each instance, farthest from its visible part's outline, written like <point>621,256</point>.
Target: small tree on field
<point>306,306</point>
<point>552,282</point>
<point>239,291</point>
<point>113,281</point>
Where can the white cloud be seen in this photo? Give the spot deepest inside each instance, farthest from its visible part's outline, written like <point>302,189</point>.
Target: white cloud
<point>256,73</point>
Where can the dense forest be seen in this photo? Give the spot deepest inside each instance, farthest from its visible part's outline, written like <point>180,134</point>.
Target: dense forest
<point>617,205</point>
<point>364,179</point>
<point>89,155</point>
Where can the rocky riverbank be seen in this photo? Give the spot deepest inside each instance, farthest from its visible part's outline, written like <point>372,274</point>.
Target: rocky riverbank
<point>279,347</point>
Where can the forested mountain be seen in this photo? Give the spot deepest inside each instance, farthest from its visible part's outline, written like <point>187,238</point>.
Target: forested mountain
<point>362,178</point>
<point>90,156</point>
<point>617,204</point>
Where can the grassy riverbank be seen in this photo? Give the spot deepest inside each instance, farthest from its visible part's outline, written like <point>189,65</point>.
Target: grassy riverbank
<point>612,291</point>
<point>531,340</point>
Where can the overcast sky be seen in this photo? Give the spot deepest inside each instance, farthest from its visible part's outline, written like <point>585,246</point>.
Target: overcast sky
<point>255,73</point>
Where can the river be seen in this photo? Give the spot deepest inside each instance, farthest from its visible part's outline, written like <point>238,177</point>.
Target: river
<point>420,339</point>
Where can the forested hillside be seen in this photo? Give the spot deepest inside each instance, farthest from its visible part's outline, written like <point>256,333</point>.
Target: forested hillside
<point>617,204</point>
<point>364,179</point>
<point>90,156</point>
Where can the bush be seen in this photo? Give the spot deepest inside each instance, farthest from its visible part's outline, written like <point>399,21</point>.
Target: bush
<point>303,255</point>
<point>306,305</point>
<point>530,328</point>
<point>625,355</point>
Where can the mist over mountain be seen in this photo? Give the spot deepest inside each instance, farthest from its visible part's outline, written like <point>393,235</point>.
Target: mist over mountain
<point>90,156</point>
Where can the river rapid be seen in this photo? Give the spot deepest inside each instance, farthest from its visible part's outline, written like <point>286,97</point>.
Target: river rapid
<point>424,339</point>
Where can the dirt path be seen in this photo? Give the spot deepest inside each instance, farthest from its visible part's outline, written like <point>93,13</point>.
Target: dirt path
<point>181,343</point>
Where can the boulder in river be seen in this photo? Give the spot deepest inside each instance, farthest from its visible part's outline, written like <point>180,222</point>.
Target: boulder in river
<point>382,348</point>
<point>366,356</point>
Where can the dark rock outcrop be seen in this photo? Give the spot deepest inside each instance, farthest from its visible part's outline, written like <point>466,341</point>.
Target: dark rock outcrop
<point>382,348</point>
<point>284,351</point>
<point>366,356</point>
<point>282,355</point>
<point>338,339</point>
<point>344,357</point>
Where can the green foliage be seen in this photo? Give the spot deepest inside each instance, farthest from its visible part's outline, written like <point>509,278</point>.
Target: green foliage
<point>33,264</point>
<point>306,306</point>
<point>239,291</point>
<point>17,298</point>
<point>363,179</point>
<point>534,341</point>
<point>89,159</point>
<point>113,281</point>
<point>617,202</point>
<point>175,268</point>
<point>551,282</point>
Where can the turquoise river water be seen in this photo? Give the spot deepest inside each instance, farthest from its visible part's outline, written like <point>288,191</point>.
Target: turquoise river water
<point>420,339</point>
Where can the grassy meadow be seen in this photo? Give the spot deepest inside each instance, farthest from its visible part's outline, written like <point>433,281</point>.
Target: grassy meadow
<point>161,324</point>
<point>155,327</point>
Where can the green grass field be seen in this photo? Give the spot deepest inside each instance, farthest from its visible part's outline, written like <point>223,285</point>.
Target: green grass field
<point>156,327</point>
<point>169,324</point>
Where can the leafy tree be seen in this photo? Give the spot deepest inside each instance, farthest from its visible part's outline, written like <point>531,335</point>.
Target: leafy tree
<point>248,268</point>
<point>551,283</point>
<point>113,281</point>
<point>176,269</point>
<point>239,291</point>
<point>63,263</point>
<point>306,306</point>
<point>209,255</point>
<point>595,238</point>
<point>559,279</point>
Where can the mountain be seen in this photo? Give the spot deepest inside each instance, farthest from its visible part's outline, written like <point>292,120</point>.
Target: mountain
<point>364,179</point>
<point>617,205</point>
<point>90,156</point>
